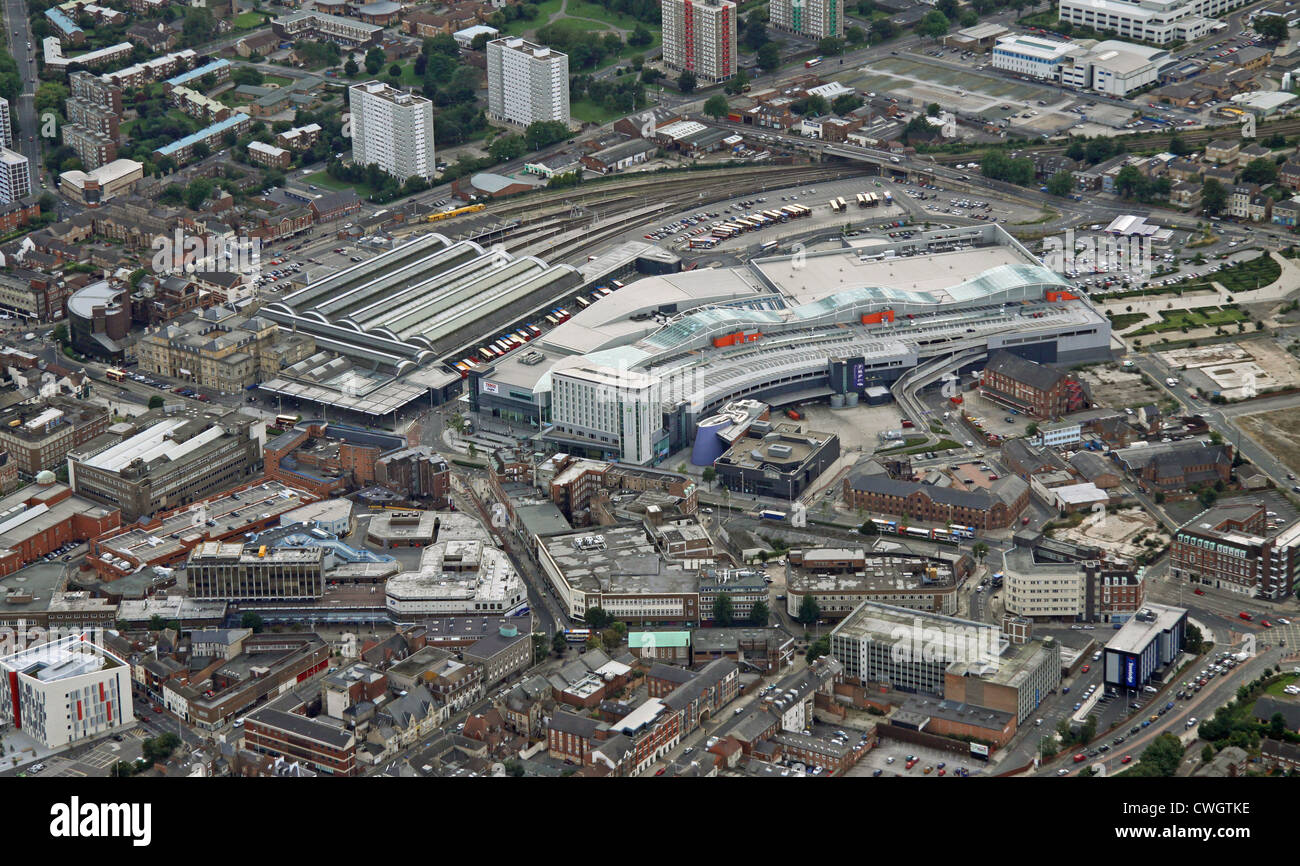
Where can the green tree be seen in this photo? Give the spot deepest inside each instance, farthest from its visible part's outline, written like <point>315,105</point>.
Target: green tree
<point>1193,640</point>
<point>1207,754</point>
<point>1161,758</point>
<point>934,109</point>
<point>157,623</point>
<point>350,69</point>
<point>759,615</point>
<point>1272,27</point>
<point>1214,197</point>
<point>769,57</point>
<point>722,617</point>
<point>507,147</point>
<point>559,643</point>
<point>596,618</point>
<point>155,402</point>
<point>935,25</point>
<point>709,475</point>
<point>1061,184</point>
<point>1261,171</point>
<point>868,528</point>
<point>1031,429</point>
<point>544,133</point>
<point>716,106</point>
<point>686,83</point>
<point>980,550</point>
<point>60,334</point>
<point>541,648</point>
<point>252,620</point>
<point>640,37</point>
<point>818,648</point>
<point>830,46</point>
<point>375,58</point>
<point>809,611</point>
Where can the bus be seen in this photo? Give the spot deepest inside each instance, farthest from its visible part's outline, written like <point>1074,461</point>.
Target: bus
<point>889,198</point>
<point>776,216</point>
<point>890,526</point>
<point>769,247</point>
<point>616,284</point>
<point>705,243</point>
<point>113,374</point>
<point>771,514</point>
<point>843,204</point>
<point>918,532</point>
<point>802,211</point>
<point>462,369</point>
<point>962,531</point>
<point>809,64</point>
<point>534,330</point>
<point>487,356</point>
<point>747,225</point>
<point>835,205</point>
<point>761,219</point>
<point>577,635</point>
<point>583,302</point>
<point>550,320</point>
<point>605,291</point>
<point>862,200</point>
<point>286,422</point>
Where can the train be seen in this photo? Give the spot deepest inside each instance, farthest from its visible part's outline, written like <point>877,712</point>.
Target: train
<point>448,214</point>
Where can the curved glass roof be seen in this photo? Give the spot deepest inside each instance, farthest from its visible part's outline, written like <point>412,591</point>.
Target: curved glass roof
<point>1010,282</point>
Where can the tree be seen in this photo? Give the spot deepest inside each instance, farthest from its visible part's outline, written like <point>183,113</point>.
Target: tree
<point>1178,146</point>
<point>759,615</point>
<point>596,618</point>
<point>934,24</point>
<point>722,610</point>
<point>830,46</point>
<point>818,648</point>
<point>980,550</point>
<point>157,623</point>
<point>544,133</point>
<point>514,768</point>
<point>1031,429</point>
<point>350,69</point>
<point>1061,184</point>
<point>868,528</point>
<point>769,57</point>
<point>1272,27</point>
<point>1214,198</point>
<point>251,620</point>
<point>1161,758</point>
<point>1261,171</point>
<point>60,334</point>
<point>155,402</point>
<point>933,109</point>
<point>846,102</point>
<point>809,611</point>
<point>716,106</point>
<point>375,58</point>
<point>559,643</point>
<point>709,475</point>
<point>541,648</point>
<point>640,37</point>
<point>686,83</point>
<point>395,72</point>
<point>1127,181</point>
<point>1207,754</point>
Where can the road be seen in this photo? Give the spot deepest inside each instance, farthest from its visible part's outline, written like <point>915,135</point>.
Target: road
<point>18,32</point>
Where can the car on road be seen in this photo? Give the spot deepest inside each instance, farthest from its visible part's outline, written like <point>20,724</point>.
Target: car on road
<point>1085,669</point>
<point>1064,771</point>
<point>1265,623</point>
<point>1126,759</point>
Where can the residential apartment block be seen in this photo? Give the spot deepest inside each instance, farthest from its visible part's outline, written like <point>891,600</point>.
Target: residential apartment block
<point>816,19</point>
<point>699,36</point>
<point>527,83</point>
<point>392,129</point>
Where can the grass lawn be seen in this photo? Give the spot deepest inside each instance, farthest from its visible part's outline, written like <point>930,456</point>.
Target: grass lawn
<point>522,26</point>
<point>1248,276</point>
<point>279,80</point>
<point>588,112</point>
<point>248,20</point>
<point>1277,689</point>
<point>1125,320</point>
<point>323,180</point>
<point>1209,317</point>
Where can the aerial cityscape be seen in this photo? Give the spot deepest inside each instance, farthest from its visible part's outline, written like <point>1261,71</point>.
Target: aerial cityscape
<point>640,388</point>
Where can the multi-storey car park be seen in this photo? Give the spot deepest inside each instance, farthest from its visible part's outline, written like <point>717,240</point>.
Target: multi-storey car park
<point>787,329</point>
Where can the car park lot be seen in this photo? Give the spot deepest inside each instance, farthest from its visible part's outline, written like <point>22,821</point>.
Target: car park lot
<point>878,759</point>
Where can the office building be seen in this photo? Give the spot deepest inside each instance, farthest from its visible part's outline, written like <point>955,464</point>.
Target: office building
<point>909,650</point>
<point>39,437</point>
<point>816,19</point>
<point>700,37</point>
<point>1030,55</point>
<point>1156,21</point>
<point>65,691</point>
<point>527,82</point>
<point>326,748</point>
<point>1028,387</point>
<point>392,129</point>
<point>166,461</point>
<point>1231,548</point>
<point>231,572</point>
<point>15,176</point>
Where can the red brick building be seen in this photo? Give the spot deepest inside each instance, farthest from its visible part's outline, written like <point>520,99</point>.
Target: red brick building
<point>1030,388</point>
<point>325,748</point>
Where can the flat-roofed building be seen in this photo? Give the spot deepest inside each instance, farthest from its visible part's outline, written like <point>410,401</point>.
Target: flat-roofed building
<point>326,748</point>
<point>230,572</point>
<point>840,579</point>
<point>165,461</point>
<point>65,691</point>
<point>1152,639</point>
<point>908,650</point>
<point>1231,548</point>
<point>40,437</point>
